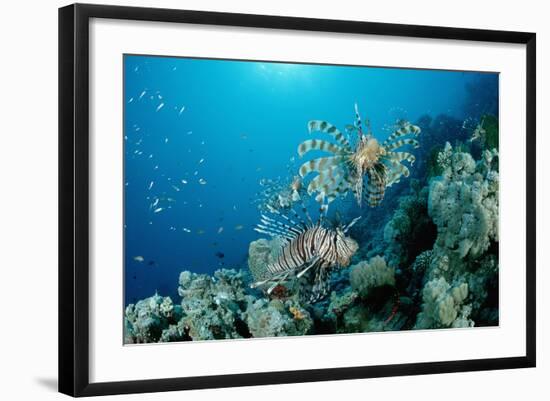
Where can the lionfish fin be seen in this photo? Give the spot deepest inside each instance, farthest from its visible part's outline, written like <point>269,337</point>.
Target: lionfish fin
<point>310,265</point>
<point>326,127</point>
<point>351,224</point>
<point>319,164</point>
<point>402,142</point>
<point>278,281</point>
<point>326,178</point>
<point>272,232</point>
<point>396,172</point>
<point>318,144</point>
<point>290,226</point>
<point>406,128</point>
<point>400,156</point>
<point>376,188</point>
<point>321,284</point>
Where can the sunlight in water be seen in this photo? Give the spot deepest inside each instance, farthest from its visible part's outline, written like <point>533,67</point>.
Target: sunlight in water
<point>286,71</point>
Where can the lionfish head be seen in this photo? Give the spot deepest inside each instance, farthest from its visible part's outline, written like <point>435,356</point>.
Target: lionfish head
<point>367,155</point>
<point>346,248</point>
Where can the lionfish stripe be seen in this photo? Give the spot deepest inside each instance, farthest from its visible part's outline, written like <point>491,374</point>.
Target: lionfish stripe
<point>325,177</point>
<point>292,227</point>
<point>318,144</point>
<point>271,233</point>
<point>396,134</point>
<point>400,156</point>
<point>375,189</point>
<point>396,173</point>
<point>282,228</point>
<point>402,142</point>
<point>275,231</point>
<point>319,164</point>
<point>326,127</point>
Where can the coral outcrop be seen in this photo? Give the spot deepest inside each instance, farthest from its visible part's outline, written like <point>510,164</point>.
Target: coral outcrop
<point>145,321</point>
<point>276,318</point>
<point>463,204</point>
<point>366,276</point>
<point>462,275</point>
<point>428,261</point>
<point>443,306</point>
<point>410,230</point>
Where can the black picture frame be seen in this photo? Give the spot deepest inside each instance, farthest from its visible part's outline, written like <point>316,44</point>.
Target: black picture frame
<point>74,194</point>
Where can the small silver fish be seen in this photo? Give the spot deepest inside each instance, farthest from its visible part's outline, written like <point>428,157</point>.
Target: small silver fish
<point>142,94</point>
<point>181,110</point>
<point>151,185</point>
<point>202,181</point>
<point>158,210</point>
<point>220,230</point>
<point>160,106</point>
<point>139,258</point>
<point>184,182</point>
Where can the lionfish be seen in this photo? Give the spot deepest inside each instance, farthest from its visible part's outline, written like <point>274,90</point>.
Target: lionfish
<point>349,166</point>
<point>305,246</point>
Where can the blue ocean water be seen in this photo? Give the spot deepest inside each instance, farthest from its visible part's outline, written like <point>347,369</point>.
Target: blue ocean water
<point>200,136</point>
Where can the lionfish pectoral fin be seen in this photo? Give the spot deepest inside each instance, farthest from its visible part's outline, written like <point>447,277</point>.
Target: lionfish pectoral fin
<point>258,284</point>
<point>321,284</point>
<point>312,263</point>
<point>278,281</point>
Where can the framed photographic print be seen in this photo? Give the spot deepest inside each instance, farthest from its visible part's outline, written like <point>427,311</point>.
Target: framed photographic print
<point>239,192</point>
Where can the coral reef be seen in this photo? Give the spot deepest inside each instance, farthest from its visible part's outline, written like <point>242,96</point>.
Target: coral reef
<point>262,253</point>
<point>410,230</point>
<point>428,259</point>
<point>212,306</point>
<point>464,205</point>
<point>276,318</point>
<point>366,276</point>
<point>146,320</point>
<point>443,306</point>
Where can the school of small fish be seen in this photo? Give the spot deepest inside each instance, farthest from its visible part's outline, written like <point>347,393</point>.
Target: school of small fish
<point>160,203</point>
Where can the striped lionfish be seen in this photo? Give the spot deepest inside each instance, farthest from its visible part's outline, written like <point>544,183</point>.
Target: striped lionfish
<point>348,166</point>
<point>304,247</point>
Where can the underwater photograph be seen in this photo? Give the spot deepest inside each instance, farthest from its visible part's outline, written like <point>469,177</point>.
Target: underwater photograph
<point>266,199</point>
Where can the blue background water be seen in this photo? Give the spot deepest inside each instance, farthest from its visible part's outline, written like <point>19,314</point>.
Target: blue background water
<point>244,120</point>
